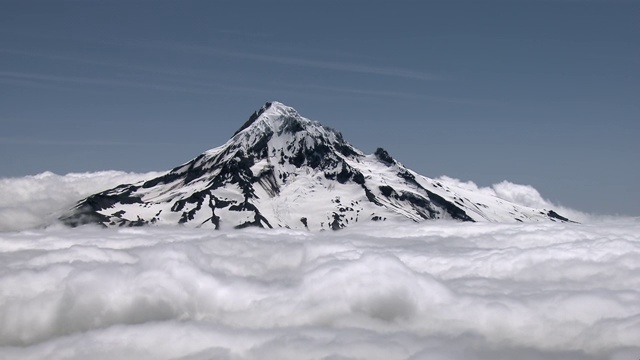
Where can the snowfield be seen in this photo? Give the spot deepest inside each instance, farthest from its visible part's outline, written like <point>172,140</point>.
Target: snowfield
<point>387,290</point>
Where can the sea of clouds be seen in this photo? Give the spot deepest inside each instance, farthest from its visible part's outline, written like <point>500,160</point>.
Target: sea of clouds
<point>35,201</point>
<point>435,290</point>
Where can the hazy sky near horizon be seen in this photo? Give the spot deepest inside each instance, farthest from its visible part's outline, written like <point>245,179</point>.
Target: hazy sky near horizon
<point>544,93</point>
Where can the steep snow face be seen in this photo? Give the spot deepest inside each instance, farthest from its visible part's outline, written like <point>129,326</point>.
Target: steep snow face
<point>283,170</point>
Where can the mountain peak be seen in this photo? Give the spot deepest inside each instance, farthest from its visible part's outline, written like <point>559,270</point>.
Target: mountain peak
<point>283,170</point>
<point>256,114</point>
<point>276,131</point>
<point>277,117</point>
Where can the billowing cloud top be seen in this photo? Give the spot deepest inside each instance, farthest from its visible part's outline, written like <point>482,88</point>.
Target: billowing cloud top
<point>442,290</point>
<point>434,290</point>
<point>36,201</point>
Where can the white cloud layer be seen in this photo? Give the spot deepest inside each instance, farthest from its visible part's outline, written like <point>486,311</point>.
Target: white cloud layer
<point>35,201</point>
<point>435,290</point>
<point>441,290</point>
<point>527,195</point>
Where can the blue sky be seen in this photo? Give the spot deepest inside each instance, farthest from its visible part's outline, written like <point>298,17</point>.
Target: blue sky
<point>544,93</point>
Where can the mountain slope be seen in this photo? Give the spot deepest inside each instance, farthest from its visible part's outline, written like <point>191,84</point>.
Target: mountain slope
<point>283,170</point>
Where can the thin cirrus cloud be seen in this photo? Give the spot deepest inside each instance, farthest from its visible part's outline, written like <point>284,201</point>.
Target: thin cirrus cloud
<point>86,142</point>
<point>170,81</point>
<point>27,78</point>
<point>283,60</point>
<point>191,81</point>
<point>395,94</point>
<point>34,141</point>
<point>172,72</point>
<point>302,62</point>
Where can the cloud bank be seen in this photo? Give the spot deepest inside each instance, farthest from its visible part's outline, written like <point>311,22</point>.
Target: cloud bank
<point>35,201</point>
<point>527,195</point>
<point>386,291</point>
<point>435,290</point>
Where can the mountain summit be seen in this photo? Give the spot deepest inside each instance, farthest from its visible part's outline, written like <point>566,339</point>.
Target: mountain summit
<point>283,170</point>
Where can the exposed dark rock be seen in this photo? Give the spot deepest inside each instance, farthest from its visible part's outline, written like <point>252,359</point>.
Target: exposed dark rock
<point>344,175</point>
<point>337,224</point>
<point>387,190</point>
<point>298,159</point>
<point>358,178</point>
<point>105,200</point>
<point>268,181</point>
<point>164,179</point>
<point>85,211</point>
<point>193,171</point>
<point>454,211</point>
<point>555,215</point>
<point>258,219</point>
<point>196,198</point>
<point>253,118</point>
<point>85,214</point>
<point>382,155</point>
<point>291,125</point>
<point>346,150</point>
<point>260,149</point>
<point>236,171</point>
<point>371,197</point>
<point>316,157</point>
<point>421,205</point>
<point>138,222</point>
<point>408,177</point>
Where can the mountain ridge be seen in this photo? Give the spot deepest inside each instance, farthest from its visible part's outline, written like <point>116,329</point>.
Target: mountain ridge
<point>280,169</point>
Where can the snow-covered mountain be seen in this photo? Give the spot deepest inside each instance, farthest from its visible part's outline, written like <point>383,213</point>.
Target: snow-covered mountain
<point>283,170</point>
